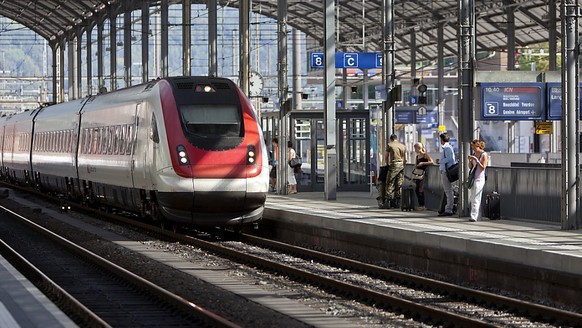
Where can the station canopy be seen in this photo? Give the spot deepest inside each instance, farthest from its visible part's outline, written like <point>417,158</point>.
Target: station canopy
<point>359,22</point>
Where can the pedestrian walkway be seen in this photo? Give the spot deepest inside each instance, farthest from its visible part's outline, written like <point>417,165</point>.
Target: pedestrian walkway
<point>525,245</point>
<point>23,305</point>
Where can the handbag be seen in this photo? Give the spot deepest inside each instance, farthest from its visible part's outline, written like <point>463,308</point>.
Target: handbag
<point>471,177</point>
<point>453,172</point>
<point>295,162</point>
<point>417,174</point>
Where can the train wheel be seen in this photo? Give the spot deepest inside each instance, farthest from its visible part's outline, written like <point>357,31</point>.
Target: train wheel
<point>167,225</point>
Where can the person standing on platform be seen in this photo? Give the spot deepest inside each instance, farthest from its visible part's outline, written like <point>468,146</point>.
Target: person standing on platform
<point>395,158</point>
<point>290,171</point>
<point>478,160</point>
<point>274,161</point>
<point>447,159</point>
<point>423,160</point>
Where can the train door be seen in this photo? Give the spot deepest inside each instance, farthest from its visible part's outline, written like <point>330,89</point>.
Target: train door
<point>141,148</point>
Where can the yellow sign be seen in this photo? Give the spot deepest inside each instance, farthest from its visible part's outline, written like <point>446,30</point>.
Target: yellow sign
<point>544,128</point>
<point>442,128</point>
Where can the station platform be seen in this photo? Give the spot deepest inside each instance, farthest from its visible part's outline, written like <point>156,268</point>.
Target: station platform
<point>539,260</point>
<point>23,305</point>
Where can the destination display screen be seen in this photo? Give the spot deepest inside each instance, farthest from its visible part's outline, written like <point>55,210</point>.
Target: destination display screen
<point>512,101</point>
<point>554,91</point>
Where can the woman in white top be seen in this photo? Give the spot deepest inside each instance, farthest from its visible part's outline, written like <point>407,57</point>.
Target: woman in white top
<point>290,173</point>
<point>478,160</point>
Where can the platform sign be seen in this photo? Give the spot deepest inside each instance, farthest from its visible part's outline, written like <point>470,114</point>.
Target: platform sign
<point>554,92</point>
<point>360,60</point>
<point>512,101</point>
<point>431,118</point>
<point>316,60</point>
<point>404,116</point>
<point>544,127</point>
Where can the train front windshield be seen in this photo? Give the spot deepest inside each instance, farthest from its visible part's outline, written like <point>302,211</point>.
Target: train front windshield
<point>212,121</point>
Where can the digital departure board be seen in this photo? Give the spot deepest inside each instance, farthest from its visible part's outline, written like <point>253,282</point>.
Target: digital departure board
<point>512,101</point>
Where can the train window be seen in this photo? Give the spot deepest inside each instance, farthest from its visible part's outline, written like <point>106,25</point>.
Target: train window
<point>212,120</point>
<point>110,139</point>
<point>104,140</point>
<point>122,139</point>
<point>94,141</point>
<point>100,141</point>
<point>115,141</point>
<point>86,139</point>
<point>129,140</point>
<point>60,141</point>
<point>51,144</point>
<point>154,133</point>
<point>71,138</point>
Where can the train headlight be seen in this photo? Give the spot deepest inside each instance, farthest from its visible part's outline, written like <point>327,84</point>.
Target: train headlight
<point>182,155</point>
<point>251,153</point>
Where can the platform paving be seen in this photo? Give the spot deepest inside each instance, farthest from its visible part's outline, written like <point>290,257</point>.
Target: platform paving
<point>534,248</point>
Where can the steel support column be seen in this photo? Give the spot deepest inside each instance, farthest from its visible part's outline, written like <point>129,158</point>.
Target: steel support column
<point>571,112</point>
<point>78,61</point>
<point>244,45</point>
<point>388,73</point>
<point>145,43</point>
<point>113,49</point>
<point>441,72</point>
<point>512,146</point>
<point>100,66</point>
<point>186,37</point>
<point>127,47</point>
<point>413,32</point>
<point>466,61</point>
<point>62,44</point>
<point>284,133</point>
<point>212,39</point>
<point>54,50</point>
<point>553,66</point>
<point>164,37</point>
<point>297,61</point>
<point>329,118</point>
<point>89,59</point>
<point>71,58</point>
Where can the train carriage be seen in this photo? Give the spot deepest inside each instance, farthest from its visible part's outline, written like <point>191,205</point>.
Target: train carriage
<point>109,161</point>
<point>53,156</point>
<point>16,148</point>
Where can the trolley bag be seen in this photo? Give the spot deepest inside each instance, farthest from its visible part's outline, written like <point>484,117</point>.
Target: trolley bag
<point>407,198</point>
<point>492,208</point>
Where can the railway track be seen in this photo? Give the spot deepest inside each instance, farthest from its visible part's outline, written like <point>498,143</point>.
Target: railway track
<point>499,306</point>
<point>425,300</point>
<point>91,290</point>
<point>478,309</point>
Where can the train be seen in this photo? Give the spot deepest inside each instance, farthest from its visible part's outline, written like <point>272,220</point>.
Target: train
<point>180,150</point>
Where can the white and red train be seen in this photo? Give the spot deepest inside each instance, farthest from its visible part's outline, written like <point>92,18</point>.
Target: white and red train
<point>183,149</point>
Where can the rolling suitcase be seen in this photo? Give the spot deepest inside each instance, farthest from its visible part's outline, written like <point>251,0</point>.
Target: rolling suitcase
<point>492,207</point>
<point>407,198</point>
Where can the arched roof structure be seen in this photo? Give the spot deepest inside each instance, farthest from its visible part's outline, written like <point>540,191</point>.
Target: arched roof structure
<point>359,26</point>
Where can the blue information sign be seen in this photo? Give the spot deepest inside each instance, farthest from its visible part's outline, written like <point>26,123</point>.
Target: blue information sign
<point>431,118</point>
<point>512,101</point>
<point>554,91</point>
<point>404,116</point>
<point>348,60</point>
